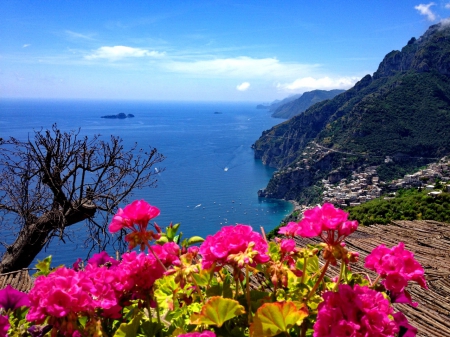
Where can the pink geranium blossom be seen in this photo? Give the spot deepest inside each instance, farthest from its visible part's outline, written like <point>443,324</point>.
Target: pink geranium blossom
<point>139,212</point>
<point>234,245</point>
<point>396,267</point>
<point>326,221</point>
<point>136,217</point>
<point>139,272</point>
<point>290,229</point>
<point>358,311</point>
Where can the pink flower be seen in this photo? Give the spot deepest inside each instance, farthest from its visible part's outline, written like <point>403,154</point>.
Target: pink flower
<point>234,245</point>
<point>358,311</point>
<point>120,221</point>
<point>407,329</point>
<point>396,267</point>
<point>139,272</point>
<point>168,253</point>
<point>328,222</point>
<point>102,259</point>
<point>62,292</point>
<point>347,228</point>
<point>287,246</point>
<point>65,293</point>
<point>289,230</point>
<point>138,213</point>
<point>11,298</point>
<point>4,326</point>
<point>198,334</point>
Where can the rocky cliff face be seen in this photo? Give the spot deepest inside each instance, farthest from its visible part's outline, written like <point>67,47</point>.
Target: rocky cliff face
<point>429,52</point>
<point>402,111</point>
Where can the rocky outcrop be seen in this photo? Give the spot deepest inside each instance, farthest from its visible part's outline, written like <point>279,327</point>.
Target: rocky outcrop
<point>430,52</point>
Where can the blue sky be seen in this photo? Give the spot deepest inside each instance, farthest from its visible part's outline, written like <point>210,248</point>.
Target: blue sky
<point>199,50</point>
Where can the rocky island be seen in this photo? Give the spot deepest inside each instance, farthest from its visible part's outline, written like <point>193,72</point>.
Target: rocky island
<point>118,116</point>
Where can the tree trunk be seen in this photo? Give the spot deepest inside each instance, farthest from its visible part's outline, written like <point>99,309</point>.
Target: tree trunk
<point>33,237</point>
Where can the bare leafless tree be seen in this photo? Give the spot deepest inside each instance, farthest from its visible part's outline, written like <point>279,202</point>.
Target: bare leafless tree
<point>57,179</point>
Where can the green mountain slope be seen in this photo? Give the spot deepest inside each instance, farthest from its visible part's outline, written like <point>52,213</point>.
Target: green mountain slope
<point>401,113</point>
<point>299,105</point>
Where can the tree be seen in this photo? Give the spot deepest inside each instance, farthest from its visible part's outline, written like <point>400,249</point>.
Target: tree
<point>58,179</point>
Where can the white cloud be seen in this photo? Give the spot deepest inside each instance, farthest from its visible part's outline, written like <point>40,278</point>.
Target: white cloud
<point>425,10</point>
<point>447,5</point>
<point>119,52</point>
<point>243,86</point>
<point>76,35</point>
<point>241,66</point>
<point>325,83</point>
<point>26,45</point>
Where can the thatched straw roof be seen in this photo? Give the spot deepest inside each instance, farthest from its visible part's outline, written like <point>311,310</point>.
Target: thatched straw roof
<point>19,280</point>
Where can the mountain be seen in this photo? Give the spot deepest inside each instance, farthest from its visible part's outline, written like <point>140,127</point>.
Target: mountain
<point>299,105</point>
<point>395,121</point>
<point>277,103</point>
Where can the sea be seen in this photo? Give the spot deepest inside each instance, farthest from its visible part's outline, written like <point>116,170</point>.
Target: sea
<point>208,179</point>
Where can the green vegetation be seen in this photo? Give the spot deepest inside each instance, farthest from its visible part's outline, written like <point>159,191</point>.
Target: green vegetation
<point>409,204</point>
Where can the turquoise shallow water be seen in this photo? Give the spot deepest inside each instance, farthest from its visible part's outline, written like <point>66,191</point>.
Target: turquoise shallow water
<point>210,177</point>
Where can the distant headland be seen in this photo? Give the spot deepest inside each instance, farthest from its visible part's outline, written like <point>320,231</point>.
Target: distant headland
<point>119,116</point>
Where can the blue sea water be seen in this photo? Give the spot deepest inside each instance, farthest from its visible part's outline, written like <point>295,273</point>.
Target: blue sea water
<point>210,177</point>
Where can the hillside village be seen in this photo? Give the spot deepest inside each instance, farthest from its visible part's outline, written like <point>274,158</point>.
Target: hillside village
<point>365,185</point>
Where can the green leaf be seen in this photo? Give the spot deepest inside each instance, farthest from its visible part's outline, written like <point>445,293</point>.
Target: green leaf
<point>217,311</point>
<point>312,264</point>
<point>195,239</point>
<point>274,251</point>
<point>150,328</point>
<point>129,329</point>
<point>272,319</point>
<point>43,266</point>
<point>258,298</point>
<point>165,290</point>
<point>171,232</point>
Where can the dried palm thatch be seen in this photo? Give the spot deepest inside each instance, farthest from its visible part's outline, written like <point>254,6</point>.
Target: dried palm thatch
<point>20,280</point>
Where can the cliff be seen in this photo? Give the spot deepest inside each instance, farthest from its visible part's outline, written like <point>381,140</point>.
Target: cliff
<point>401,112</point>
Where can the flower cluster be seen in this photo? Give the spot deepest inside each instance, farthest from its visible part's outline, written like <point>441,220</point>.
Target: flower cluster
<point>135,217</point>
<point>64,293</point>
<point>358,312</point>
<point>234,245</point>
<point>396,267</point>
<point>104,284</point>
<point>319,220</point>
<point>192,287</point>
<point>331,225</point>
